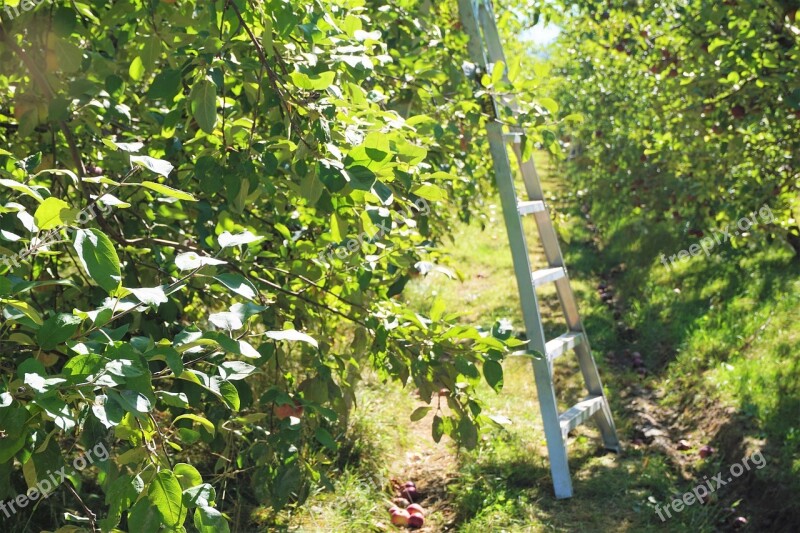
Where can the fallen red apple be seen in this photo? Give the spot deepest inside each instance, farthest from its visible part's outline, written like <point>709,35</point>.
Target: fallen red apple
<point>416,520</point>
<point>683,445</point>
<point>706,451</point>
<point>410,493</point>
<point>400,518</point>
<point>415,508</point>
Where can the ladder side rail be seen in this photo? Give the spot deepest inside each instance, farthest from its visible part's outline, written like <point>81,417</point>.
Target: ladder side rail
<point>552,248</point>
<point>556,445</point>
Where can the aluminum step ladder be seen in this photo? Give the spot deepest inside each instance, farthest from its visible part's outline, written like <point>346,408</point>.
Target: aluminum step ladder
<point>485,50</point>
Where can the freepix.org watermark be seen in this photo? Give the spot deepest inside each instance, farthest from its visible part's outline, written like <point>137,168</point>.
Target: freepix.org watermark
<point>23,7</point>
<point>355,243</point>
<point>706,244</point>
<point>701,491</point>
<point>47,485</point>
<point>83,217</point>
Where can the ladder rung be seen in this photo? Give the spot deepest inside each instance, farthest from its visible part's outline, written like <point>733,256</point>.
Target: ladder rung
<point>534,206</point>
<point>541,277</point>
<point>529,354</point>
<point>513,137</point>
<point>579,413</point>
<point>561,344</point>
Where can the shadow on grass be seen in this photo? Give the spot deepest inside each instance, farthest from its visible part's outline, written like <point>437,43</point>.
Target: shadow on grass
<point>503,490</point>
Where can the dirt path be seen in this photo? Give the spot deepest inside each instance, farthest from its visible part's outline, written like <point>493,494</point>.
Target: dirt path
<point>431,467</point>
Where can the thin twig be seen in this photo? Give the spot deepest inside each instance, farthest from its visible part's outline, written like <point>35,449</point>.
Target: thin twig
<point>90,515</point>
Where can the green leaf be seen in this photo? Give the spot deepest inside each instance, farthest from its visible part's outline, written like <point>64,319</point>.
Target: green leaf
<point>420,413</point>
<point>120,496</point>
<point>109,413</point>
<point>70,56</point>
<point>361,178</point>
<point>174,399</point>
<point>493,372</point>
<point>230,394</point>
<point>468,433</point>
<point>132,401</point>
<point>98,258</point>
<point>549,104</point>
<point>203,101</point>
<point>190,261</point>
<point>150,295</point>
<point>166,85</point>
<point>235,370</point>
<point>238,284</point>
<point>437,428</point>
<point>199,495</point>
<point>199,419</point>
<point>325,438</point>
<point>11,184</point>
<point>43,463</point>
<point>187,475</point>
<point>430,192</point>
<point>209,520</point>
<point>53,213</point>
<point>226,320</point>
<point>159,166</point>
<point>25,286</point>
<point>136,69</point>
<point>166,495</point>
<point>82,366</point>
<point>5,286</point>
<point>59,411</point>
<point>12,417</point>
<point>498,69</point>
<point>168,191</point>
<point>83,9</point>
<point>292,335</point>
<point>313,82</point>
<point>26,309</point>
<point>41,384</point>
<point>56,330</point>
<point>226,239</point>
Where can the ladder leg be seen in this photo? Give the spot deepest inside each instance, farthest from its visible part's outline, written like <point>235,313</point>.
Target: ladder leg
<point>595,387</point>
<point>556,447</point>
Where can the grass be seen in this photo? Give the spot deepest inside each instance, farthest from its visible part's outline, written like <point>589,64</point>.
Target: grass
<point>720,340</point>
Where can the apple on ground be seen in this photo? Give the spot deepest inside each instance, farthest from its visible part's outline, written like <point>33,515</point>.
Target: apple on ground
<point>400,517</point>
<point>410,493</point>
<point>415,508</point>
<point>416,520</point>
